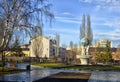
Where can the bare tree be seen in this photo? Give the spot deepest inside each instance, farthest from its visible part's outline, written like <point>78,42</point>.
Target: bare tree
<point>20,16</point>
<point>37,44</point>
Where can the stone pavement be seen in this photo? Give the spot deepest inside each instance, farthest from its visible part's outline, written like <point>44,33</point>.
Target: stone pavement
<point>105,76</point>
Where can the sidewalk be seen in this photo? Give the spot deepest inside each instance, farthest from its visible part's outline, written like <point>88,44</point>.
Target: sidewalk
<point>104,76</point>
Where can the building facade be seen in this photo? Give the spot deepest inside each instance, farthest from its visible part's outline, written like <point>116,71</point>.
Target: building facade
<point>102,43</point>
<point>40,47</point>
<point>44,47</point>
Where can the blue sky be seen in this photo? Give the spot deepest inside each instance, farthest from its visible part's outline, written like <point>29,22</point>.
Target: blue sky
<point>104,14</point>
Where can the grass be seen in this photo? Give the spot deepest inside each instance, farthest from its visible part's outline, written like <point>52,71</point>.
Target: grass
<point>95,67</point>
<point>9,71</point>
<point>50,65</point>
<point>79,67</point>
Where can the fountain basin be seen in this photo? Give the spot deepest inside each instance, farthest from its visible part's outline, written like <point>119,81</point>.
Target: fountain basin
<point>84,59</point>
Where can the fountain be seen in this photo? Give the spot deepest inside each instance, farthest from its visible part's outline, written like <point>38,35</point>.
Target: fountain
<point>85,40</point>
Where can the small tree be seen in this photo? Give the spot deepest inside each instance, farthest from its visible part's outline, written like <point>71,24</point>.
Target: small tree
<point>108,55</point>
<point>98,53</point>
<point>104,56</point>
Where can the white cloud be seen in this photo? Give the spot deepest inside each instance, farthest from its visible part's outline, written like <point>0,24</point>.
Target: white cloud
<point>66,13</point>
<point>64,30</point>
<point>75,20</point>
<point>117,30</point>
<point>114,8</point>
<point>66,34</point>
<point>114,23</point>
<point>106,21</point>
<point>111,25</point>
<point>113,35</point>
<point>110,35</point>
<point>115,2</point>
<point>86,1</point>
<point>110,5</point>
<point>97,8</point>
<point>110,2</point>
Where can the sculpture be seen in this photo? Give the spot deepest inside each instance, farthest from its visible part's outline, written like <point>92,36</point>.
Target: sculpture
<point>85,46</point>
<point>86,37</point>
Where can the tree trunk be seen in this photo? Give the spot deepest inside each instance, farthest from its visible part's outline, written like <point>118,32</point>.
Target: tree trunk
<point>3,60</point>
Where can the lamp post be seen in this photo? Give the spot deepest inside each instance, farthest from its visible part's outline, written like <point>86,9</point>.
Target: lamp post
<point>29,66</point>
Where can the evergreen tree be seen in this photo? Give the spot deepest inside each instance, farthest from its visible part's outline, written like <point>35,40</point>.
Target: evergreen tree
<point>104,54</point>
<point>118,51</point>
<point>108,55</point>
<point>98,53</point>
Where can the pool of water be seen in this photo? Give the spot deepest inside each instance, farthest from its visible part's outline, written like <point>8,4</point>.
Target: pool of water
<point>39,73</point>
<point>18,65</point>
<point>35,74</point>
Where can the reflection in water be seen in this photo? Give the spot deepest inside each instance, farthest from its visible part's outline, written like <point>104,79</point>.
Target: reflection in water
<point>30,76</point>
<point>39,74</point>
<point>19,77</point>
<point>18,65</point>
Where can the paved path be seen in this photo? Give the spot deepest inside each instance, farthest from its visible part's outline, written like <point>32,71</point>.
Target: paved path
<point>105,76</point>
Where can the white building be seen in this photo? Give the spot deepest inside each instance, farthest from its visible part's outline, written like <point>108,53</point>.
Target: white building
<point>44,47</point>
<point>102,43</point>
<point>40,47</point>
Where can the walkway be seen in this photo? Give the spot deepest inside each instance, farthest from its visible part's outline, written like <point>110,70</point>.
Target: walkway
<point>105,76</point>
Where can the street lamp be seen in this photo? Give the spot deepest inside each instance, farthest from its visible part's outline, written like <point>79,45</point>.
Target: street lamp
<point>29,66</point>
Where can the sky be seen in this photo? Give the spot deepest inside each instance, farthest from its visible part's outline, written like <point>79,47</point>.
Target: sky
<point>104,15</point>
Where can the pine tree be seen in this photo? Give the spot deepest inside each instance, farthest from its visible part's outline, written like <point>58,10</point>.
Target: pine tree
<point>104,54</point>
<point>108,55</point>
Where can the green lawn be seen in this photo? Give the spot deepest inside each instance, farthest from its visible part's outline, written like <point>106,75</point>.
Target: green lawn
<point>79,67</point>
<point>9,71</point>
<point>95,67</point>
<point>50,65</point>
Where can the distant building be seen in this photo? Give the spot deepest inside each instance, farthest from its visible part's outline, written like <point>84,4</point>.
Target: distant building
<point>53,47</point>
<point>26,49</point>
<point>70,56</point>
<point>102,43</point>
<point>42,47</point>
<point>62,52</point>
<point>23,48</point>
